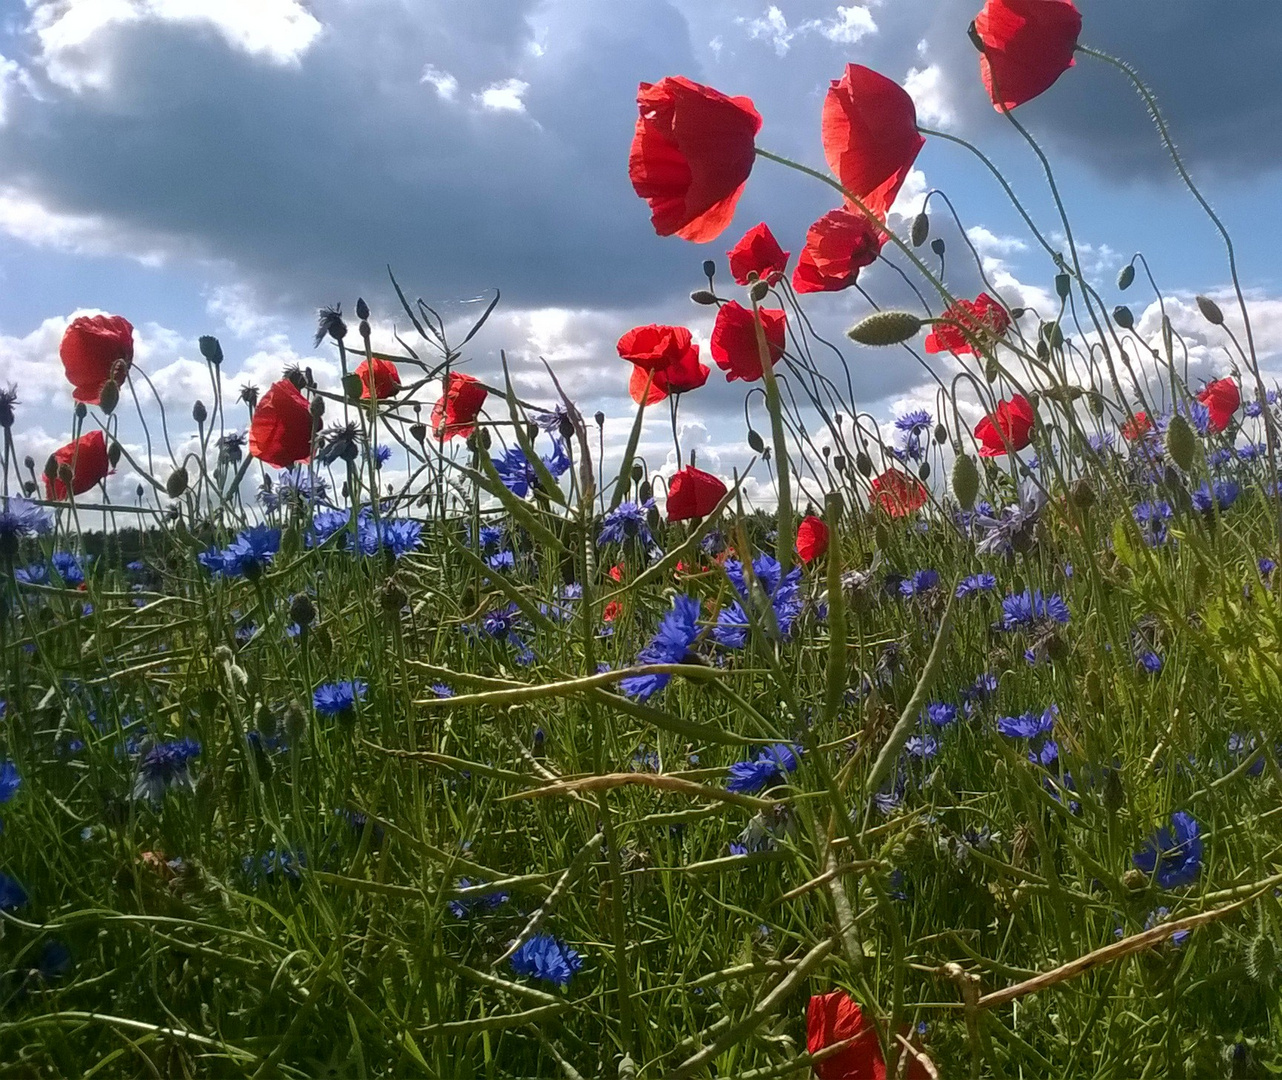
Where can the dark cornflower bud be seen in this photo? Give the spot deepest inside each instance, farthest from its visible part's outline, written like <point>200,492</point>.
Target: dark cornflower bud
<point>177,482</point>
<point>211,350</point>
<point>29,463</point>
<point>51,468</point>
<point>295,722</point>
<point>637,472</point>
<point>294,374</point>
<point>302,611</point>
<point>566,428</point>
<point>198,412</point>
<point>921,229</point>
<point>249,395</point>
<point>330,324</point>
<point>317,409</point>
<point>709,269</point>
<point>703,296</point>
<point>352,386</point>
<point>392,597</point>
<point>362,308</point>
<point>8,399</point>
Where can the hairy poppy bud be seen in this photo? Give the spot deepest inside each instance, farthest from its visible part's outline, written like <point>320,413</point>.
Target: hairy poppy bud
<point>362,309</point>
<point>703,296</point>
<point>885,328</point>
<point>965,481</point>
<point>114,452</point>
<point>991,369</point>
<point>317,409</point>
<point>392,597</point>
<point>295,722</point>
<point>302,611</point>
<point>1083,495</point>
<point>211,350</point>
<point>109,397</point>
<point>1126,276</point>
<point>198,412</point>
<point>938,246</point>
<point>1062,284</point>
<point>82,410</point>
<point>51,468</point>
<point>1262,960</point>
<point>755,441</point>
<point>709,269</point>
<point>1180,442</point>
<point>177,482</point>
<point>941,434</point>
<point>352,387</point>
<point>863,463</point>
<point>645,491</point>
<point>418,432</point>
<point>599,417</point>
<point>64,474</point>
<point>566,428</point>
<point>921,229</point>
<point>1017,313</point>
<point>1210,310</point>
<point>758,291</point>
<point>1053,335</point>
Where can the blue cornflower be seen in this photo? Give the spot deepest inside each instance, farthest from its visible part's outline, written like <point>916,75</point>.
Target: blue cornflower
<point>976,583</point>
<point>273,866</point>
<point>1252,452</point>
<point>1241,746</point>
<point>1266,566</point>
<point>1026,609</point>
<point>1149,661</point>
<point>1046,756</point>
<point>402,535</point>
<point>1029,725</point>
<point>12,894</point>
<point>558,462</point>
<point>382,455</point>
<point>912,426</point>
<point>1223,495</point>
<point>551,421</point>
<point>941,713</point>
<point>920,581</point>
<point>337,699</point>
<point>923,747</point>
<point>53,962</point>
<point>1099,443</point>
<point>441,690</point>
<point>165,766</point>
<point>250,552</point>
<point>677,634</point>
<point>231,448</point>
<point>1174,854</point>
<point>515,471</point>
<point>543,957</point>
<point>1152,517</point>
<point>10,781</point>
<point>465,905</point>
<point>325,524</point>
<point>765,770</point>
<point>912,421</point>
<point>627,522</point>
<point>500,560</point>
<point>491,536</point>
<point>20,519</point>
<point>35,574</point>
<point>782,591</point>
<point>297,484</point>
<point>1160,915</point>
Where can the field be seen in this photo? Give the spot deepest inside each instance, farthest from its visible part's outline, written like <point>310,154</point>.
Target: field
<point>963,758</point>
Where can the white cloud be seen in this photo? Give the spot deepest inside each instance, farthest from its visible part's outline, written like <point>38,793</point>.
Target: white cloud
<point>10,73</point>
<point>989,243</point>
<point>771,27</point>
<point>908,202</point>
<point>446,85</point>
<point>237,306</point>
<point>25,218</point>
<point>926,87</point>
<point>503,96</point>
<point>846,27</point>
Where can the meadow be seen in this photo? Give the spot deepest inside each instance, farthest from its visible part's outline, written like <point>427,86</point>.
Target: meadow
<point>962,759</point>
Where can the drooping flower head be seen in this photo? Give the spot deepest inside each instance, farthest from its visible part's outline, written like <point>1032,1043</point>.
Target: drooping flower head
<point>387,380</point>
<point>280,432</point>
<point>693,493</point>
<point>1027,45</point>
<point>90,350</point>
<point>455,413</point>
<point>757,253</point>
<point>87,458</point>
<point>734,343</point>
<point>983,319</point>
<point>1009,426</point>
<point>838,246</point>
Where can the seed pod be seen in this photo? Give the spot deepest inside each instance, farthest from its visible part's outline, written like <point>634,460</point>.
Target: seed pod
<point>1017,313</point>
<point>1125,276</point>
<point>177,482</point>
<point>108,397</point>
<point>82,410</point>
<point>991,368</point>
<point>1062,285</point>
<point>757,292</point>
<point>941,434</point>
<point>839,463</point>
<point>645,492</point>
<point>1180,442</point>
<point>965,481</point>
<point>637,473</point>
<point>703,296</point>
<point>211,349</point>
<point>885,328</point>
<point>1210,310</point>
<point>709,269</point>
<point>599,418</point>
<point>113,453</point>
<point>418,432</point>
<point>302,611</point>
<point>863,463</point>
<point>199,413</point>
<point>937,245</point>
<point>921,229</point>
<point>352,387</point>
<point>755,441</point>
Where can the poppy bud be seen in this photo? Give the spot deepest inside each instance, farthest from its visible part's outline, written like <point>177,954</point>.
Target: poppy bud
<point>645,491</point>
<point>1062,284</point>
<point>921,229</point>
<point>863,463</point>
<point>923,470</point>
<point>51,468</point>
<point>177,482</point>
<point>362,309</point>
<point>599,417</point>
<point>1033,398</point>
<point>211,350</point>
<point>108,397</point>
<point>1017,313</point>
<point>1053,335</point>
<point>1135,879</point>
<point>64,474</point>
<point>29,489</point>
<point>302,611</point>
<point>881,533</point>
<point>1180,442</point>
<point>1043,352</point>
<point>295,722</point>
<point>709,269</point>
<point>1210,310</point>
<point>839,463</point>
<point>392,597</point>
<point>82,410</point>
<point>119,372</point>
<point>1125,276</point>
<point>703,296</point>
<point>140,491</point>
<point>566,428</point>
<point>755,441</point>
<point>941,434</point>
<point>198,412</point>
<point>937,245</point>
<point>418,432</point>
<point>885,328</point>
<point>29,463</point>
<point>758,291</point>
<point>637,473</point>
<point>352,387</point>
<point>1262,959</point>
<point>1096,404</point>
<point>965,481</point>
<point>1083,495</point>
<point>1056,649</point>
<point>1114,793</point>
<point>991,370</point>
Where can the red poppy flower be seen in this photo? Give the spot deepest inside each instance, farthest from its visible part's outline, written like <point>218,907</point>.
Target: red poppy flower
<point>1221,399</point>
<point>983,317</point>
<point>734,340</point>
<point>387,380</point>
<point>683,375</point>
<point>812,538</point>
<point>90,349</point>
<point>655,347</point>
<point>833,1018</point>
<point>898,493</point>
<point>838,245</point>
<point>691,156</point>
<point>1140,425</point>
<point>870,136</point>
<point>1011,423</point>
<point>1028,44</point>
<point>87,457</point>
<point>612,611</point>
<point>456,411</point>
<point>281,431</point>
<point>758,253</point>
<point>693,493</point>
<point>616,572</point>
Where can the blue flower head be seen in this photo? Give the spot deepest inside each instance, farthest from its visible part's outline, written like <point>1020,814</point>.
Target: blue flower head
<point>976,583</point>
<point>941,714</point>
<point>919,582</point>
<point>770,584</point>
<point>337,699</point>
<point>250,552</point>
<point>10,781</point>
<point>1207,498</point>
<point>1029,725</point>
<point>627,522</point>
<point>165,766</point>
<point>765,770</point>
<point>543,957</point>
<point>1174,855</point>
<point>466,905</point>
<point>515,471</point>
<point>68,568</point>
<point>21,519</point>
<point>1028,609</point>
<point>12,894</point>
<point>677,634</point>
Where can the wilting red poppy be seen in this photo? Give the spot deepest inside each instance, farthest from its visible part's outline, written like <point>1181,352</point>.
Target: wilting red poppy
<point>456,411</point>
<point>90,349</point>
<point>983,317</point>
<point>758,253</point>
<point>691,156</point>
<point>870,136</point>
<point>734,340</point>
<point>281,431</point>
<point>87,457</point>
<point>693,493</point>
<point>387,380</point>
<point>898,493</point>
<point>1028,44</point>
<point>834,1018</point>
<point>1221,399</point>
<point>1011,423</point>
<point>685,374</point>
<point>1140,425</point>
<point>812,538</point>
<point>838,246</point>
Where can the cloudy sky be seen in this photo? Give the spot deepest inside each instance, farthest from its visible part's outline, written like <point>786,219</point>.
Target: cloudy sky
<point>226,166</point>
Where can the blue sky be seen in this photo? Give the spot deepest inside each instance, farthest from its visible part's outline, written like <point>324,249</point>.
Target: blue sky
<point>225,167</point>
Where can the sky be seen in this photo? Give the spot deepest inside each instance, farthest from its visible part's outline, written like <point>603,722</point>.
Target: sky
<point>226,167</point>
